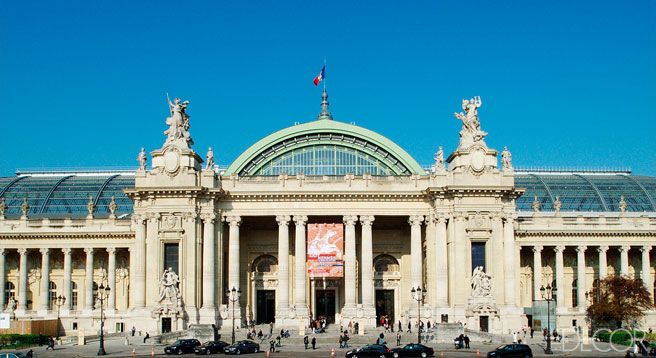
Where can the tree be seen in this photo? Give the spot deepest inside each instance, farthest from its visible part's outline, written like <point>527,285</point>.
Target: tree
<point>617,300</point>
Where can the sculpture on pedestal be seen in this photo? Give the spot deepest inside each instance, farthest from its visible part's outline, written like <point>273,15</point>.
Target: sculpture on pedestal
<point>622,204</point>
<point>3,207</point>
<point>112,207</point>
<point>480,283</point>
<point>25,207</point>
<point>506,159</point>
<point>169,293</point>
<point>178,132</point>
<point>557,204</point>
<point>439,160</point>
<point>210,159</point>
<point>11,306</point>
<point>536,204</point>
<point>471,132</point>
<point>141,158</point>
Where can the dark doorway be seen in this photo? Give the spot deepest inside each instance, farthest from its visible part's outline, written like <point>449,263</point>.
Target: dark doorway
<point>266,306</point>
<point>384,305</point>
<point>166,324</point>
<point>484,322</point>
<point>325,305</point>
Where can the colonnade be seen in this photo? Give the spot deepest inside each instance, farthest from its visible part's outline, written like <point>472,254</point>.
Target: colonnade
<point>43,305</point>
<point>602,270</point>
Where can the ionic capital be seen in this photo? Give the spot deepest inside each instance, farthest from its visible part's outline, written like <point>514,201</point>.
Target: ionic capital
<point>300,220</point>
<point>581,248</point>
<point>559,249</point>
<point>190,216</point>
<point>233,220</point>
<point>67,251</point>
<point>44,251</point>
<point>624,248</point>
<point>208,218</point>
<point>138,219</point>
<point>415,220</point>
<point>602,249</point>
<point>350,219</point>
<point>22,251</point>
<point>367,220</point>
<point>89,251</point>
<point>111,250</point>
<point>3,251</point>
<point>283,220</point>
<point>537,248</point>
<point>646,248</point>
<point>154,217</point>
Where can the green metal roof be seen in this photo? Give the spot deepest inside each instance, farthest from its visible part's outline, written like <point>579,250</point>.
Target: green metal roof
<point>325,132</point>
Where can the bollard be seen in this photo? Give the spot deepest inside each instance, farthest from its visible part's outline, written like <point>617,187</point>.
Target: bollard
<point>134,352</point>
<point>478,352</point>
<point>268,353</point>
<point>152,351</point>
<point>332,352</point>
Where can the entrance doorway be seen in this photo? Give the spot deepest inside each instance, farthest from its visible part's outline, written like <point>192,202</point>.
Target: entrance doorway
<point>325,305</point>
<point>166,324</point>
<point>266,306</point>
<point>484,323</point>
<point>384,305</point>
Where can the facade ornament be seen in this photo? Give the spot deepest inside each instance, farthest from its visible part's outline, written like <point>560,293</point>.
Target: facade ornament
<point>481,283</point>
<point>439,161</point>
<point>210,159</point>
<point>178,132</point>
<point>557,204</point>
<point>90,207</point>
<point>3,208</point>
<point>142,159</point>
<point>367,220</point>
<point>622,204</point>
<point>169,292</point>
<point>11,306</point>
<point>112,208</point>
<point>471,132</point>
<point>25,208</point>
<point>506,159</point>
<point>415,220</point>
<point>300,220</point>
<point>536,204</point>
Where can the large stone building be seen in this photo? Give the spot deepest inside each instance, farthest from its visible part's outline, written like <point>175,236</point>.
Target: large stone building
<point>479,238</point>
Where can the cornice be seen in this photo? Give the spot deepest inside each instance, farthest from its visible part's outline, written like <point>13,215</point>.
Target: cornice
<point>554,233</point>
<point>57,235</point>
<point>323,196</point>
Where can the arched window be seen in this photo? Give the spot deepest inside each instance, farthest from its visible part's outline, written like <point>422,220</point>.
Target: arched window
<point>385,263</point>
<point>73,295</point>
<point>10,291</point>
<point>52,294</point>
<point>265,264</point>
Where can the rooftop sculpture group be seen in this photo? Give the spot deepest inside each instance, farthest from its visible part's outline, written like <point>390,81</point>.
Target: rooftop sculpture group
<point>471,132</point>
<point>178,132</point>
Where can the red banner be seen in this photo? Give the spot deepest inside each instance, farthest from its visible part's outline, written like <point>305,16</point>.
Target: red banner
<point>325,250</point>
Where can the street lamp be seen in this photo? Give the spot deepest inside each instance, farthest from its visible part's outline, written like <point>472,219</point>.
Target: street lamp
<point>233,296</point>
<point>103,293</point>
<point>418,295</point>
<point>59,301</point>
<point>593,300</point>
<point>548,294</point>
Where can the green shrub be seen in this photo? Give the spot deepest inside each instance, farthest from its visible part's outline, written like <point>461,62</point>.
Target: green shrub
<point>11,341</point>
<point>621,337</point>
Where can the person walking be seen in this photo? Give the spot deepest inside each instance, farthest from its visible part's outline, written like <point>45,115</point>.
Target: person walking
<point>409,327</point>
<point>146,337</point>
<point>133,331</point>
<point>306,341</point>
<point>398,339</point>
<point>466,339</point>
<point>346,339</point>
<point>400,327</point>
<point>272,346</point>
<point>51,344</point>
<point>314,342</point>
<point>341,341</point>
<point>271,329</point>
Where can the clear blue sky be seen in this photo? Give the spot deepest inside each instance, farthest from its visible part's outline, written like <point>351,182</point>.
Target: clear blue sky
<point>568,83</point>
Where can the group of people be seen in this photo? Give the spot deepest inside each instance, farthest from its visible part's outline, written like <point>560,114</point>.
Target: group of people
<point>343,339</point>
<point>306,342</point>
<point>318,325</point>
<point>462,341</point>
<point>352,327</point>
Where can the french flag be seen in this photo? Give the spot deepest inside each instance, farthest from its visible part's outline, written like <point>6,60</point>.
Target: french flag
<point>320,76</point>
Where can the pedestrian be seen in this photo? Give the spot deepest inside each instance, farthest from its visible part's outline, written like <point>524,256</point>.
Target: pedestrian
<point>272,346</point>
<point>260,334</point>
<point>466,339</point>
<point>409,327</point>
<point>146,337</point>
<point>51,344</point>
<point>532,330</point>
<point>278,341</point>
<point>314,342</point>
<point>341,341</point>
<point>356,326</point>
<point>270,329</point>
<point>400,327</point>
<point>133,331</point>
<point>346,339</point>
<point>428,326</point>
<point>29,354</point>
<point>398,339</point>
<point>306,341</point>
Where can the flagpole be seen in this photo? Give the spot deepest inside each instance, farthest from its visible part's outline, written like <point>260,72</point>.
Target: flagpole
<point>324,80</point>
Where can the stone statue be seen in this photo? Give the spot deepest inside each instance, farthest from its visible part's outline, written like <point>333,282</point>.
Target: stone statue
<point>90,206</point>
<point>11,305</point>
<point>141,158</point>
<point>557,204</point>
<point>210,159</point>
<point>536,204</point>
<point>169,293</point>
<point>471,132</point>
<point>439,160</point>
<point>480,283</point>
<point>25,207</point>
<point>506,159</point>
<point>622,204</point>
<point>3,207</point>
<point>178,132</point>
<point>112,207</point>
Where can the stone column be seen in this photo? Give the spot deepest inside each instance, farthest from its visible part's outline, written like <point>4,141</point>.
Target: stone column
<point>624,260</point>
<point>581,285</point>
<point>416,251</point>
<point>509,261</point>
<point>367,262</point>
<point>88,281</point>
<point>560,294</point>
<point>462,274</point>
<point>282,301</point>
<point>45,281</point>
<point>209,261</point>
<point>350,274</point>
<point>646,269</point>
<point>441,257</point>
<point>537,272</point>
<point>603,262</point>
<point>233,253</point>
<point>111,278</point>
<point>3,278</point>
<point>68,277</point>
<point>300,270</point>
<point>22,283</point>
<point>138,262</point>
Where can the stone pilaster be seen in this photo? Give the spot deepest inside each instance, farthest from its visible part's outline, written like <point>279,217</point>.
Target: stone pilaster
<point>560,279</point>
<point>68,277</point>
<point>509,268</point>
<point>441,289</point>
<point>45,281</point>
<point>624,259</point>
<point>138,263</point>
<point>88,281</point>
<point>350,273</point>
<point>603,262</point>
<point>416,251</point>
<point>22,283</point>
<point>233,260</point>
<point>111,279</point>
<point>208,307</point>
<point>537,272</point>
<point>300,269</point>
<point>367,268</point>
<point>282,299</point>
<point>581,285</point>
<point>646,269</point>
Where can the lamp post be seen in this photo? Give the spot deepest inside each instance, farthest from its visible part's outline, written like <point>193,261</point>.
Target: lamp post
<point>418,295</point>
<point>102,293</point>
<point>59,301</point>
<point>233,296</point>
<point>592,299</point>
<point>548,294</point>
